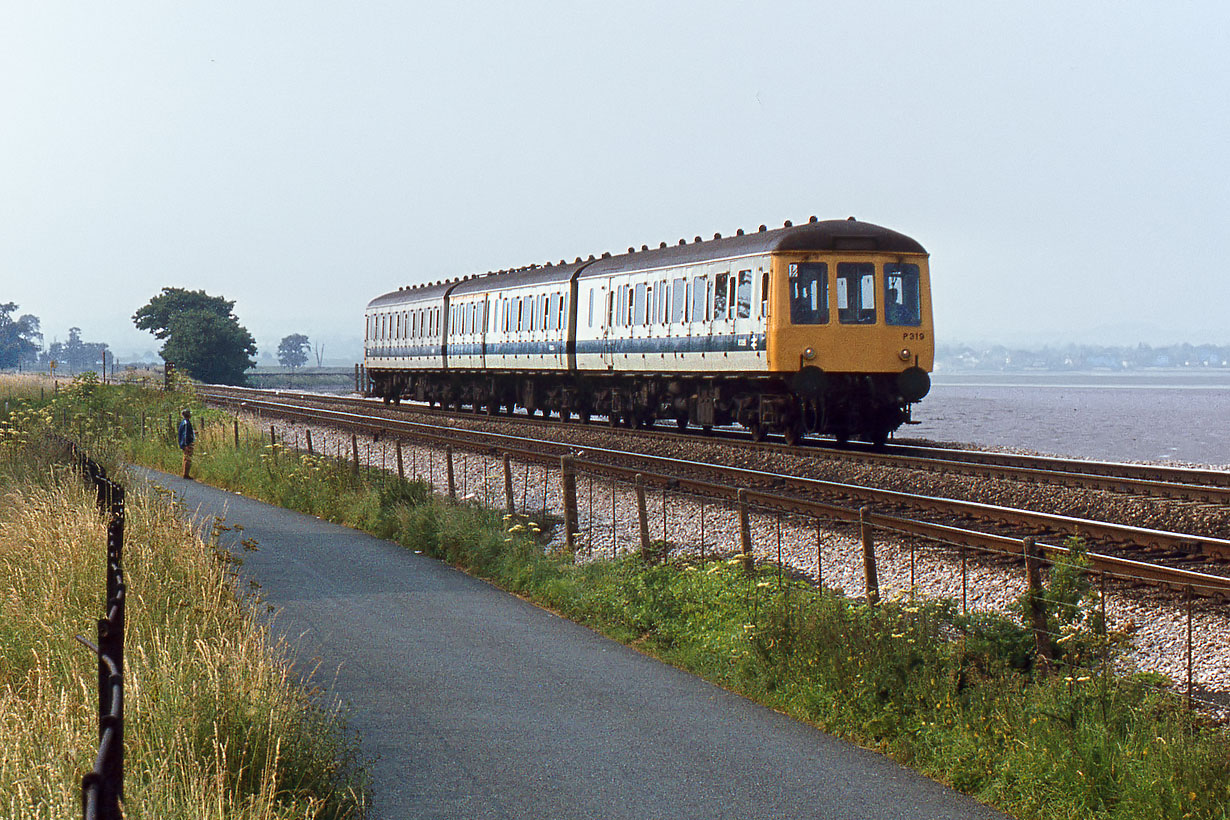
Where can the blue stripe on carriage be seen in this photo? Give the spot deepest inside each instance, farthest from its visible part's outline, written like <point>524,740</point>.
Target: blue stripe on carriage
<point>733,343</point>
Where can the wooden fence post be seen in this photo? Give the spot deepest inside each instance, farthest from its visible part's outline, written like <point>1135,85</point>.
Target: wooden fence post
<point>869,556</point>
<point>354,447</point>
<point>309,442</point>
<point>1037,607</point>
<point>401,465</point>
<point>452,482</point>
<point>236,432</point>
<point>510,501</point>
<point>642,515</point>
<point>745,533</point>
<point>568,489</point>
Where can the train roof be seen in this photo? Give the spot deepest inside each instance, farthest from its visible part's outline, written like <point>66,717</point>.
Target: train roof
<point>814,235</point>
<point>829,235</point>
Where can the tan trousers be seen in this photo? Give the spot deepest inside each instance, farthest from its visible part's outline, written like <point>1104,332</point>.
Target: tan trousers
<point>187,459</point>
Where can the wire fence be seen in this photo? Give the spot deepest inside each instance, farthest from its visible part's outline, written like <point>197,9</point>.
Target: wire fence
<point>102,788</point>
<point>862,553</point>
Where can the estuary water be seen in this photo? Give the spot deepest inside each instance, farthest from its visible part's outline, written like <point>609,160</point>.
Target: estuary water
<point>1171,417</point>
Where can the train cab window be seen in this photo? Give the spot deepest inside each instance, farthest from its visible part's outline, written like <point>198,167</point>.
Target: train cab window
<point>902,302</point>
<point>744,303</point>
<point>856,293</point>
<point>638,304</point>
<point>679,301</point>
<point>809,293</point>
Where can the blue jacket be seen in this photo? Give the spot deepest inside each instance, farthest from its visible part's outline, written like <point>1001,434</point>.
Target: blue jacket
<point>186,434</point>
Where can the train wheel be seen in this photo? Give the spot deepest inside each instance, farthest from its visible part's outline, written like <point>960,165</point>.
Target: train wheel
<point>584,416</point>
<point>682,421</point>
<point>757,430</point>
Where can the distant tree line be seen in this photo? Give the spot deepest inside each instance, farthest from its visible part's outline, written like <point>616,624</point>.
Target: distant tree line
<point>1081,357</point>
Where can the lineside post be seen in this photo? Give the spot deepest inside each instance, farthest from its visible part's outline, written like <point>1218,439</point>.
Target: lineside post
<point>354,447</point>
<point>452,482</point>
<point>401,465</point>
<point>236,420</point>
<point>510,501</point>
<point>309,442</point>
<point>869,556</point>
<point>641,514</point>
<point>1037,607</point>
<point>745,533</point>
<point>568,489</point>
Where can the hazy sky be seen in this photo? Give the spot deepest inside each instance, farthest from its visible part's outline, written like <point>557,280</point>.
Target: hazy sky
<point>1065,164</point>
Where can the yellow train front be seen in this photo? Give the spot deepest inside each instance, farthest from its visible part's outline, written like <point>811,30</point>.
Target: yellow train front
<point>851,323</point>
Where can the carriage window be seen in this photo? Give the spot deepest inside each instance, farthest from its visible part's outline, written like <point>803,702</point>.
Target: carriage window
<point>902,302</point>
<point>638,305</point>
<point>719,296</point>
<point>679,300</point>
<point>655,300</point>
<point>856,293</point>
<point>809,293</point>
<point>630,293</point>
<point>700,299</point>
<point>591,306</point>
<point>764,294</point>
<point>562,304</point>
<point>550,323</point>
<point>745,294</point>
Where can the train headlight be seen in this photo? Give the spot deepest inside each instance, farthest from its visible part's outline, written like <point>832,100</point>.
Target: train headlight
<point>904,354</point>
<point>809,354</point>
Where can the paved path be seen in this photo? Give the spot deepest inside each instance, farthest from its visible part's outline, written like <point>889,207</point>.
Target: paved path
<point>476,704</point>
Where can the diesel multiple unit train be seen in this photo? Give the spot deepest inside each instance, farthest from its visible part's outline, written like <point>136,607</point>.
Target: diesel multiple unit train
<point>823,327</point>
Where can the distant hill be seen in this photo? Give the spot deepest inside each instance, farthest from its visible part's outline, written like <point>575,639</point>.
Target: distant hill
<point>1074,357</point>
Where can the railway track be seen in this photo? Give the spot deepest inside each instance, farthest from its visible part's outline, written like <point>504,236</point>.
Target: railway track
<point>1154,480</point>
<point>981,526</point>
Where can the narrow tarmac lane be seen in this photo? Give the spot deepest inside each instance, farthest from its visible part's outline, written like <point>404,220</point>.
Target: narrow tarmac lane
<point>476,704</point>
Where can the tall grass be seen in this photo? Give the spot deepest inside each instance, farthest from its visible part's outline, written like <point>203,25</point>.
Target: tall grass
<point>215,726</point>
<point>956,697</point>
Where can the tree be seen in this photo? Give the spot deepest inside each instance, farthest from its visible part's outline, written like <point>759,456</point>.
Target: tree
<point>293,350</point>
<point>18,339</point>
<point>77,356</point>
<point>203,337</point>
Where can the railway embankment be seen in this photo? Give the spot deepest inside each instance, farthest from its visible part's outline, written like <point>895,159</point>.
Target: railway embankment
<point>958,693</point>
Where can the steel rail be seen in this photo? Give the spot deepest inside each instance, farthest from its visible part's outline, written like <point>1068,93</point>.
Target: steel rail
<point>548,452</point>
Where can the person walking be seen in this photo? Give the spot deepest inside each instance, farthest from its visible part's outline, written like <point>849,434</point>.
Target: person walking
<point>187,438</point>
